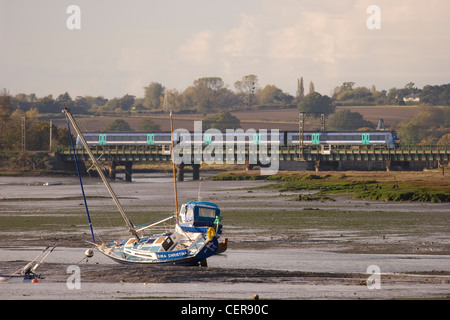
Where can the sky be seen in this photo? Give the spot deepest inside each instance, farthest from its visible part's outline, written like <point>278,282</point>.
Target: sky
<point>123,46</point>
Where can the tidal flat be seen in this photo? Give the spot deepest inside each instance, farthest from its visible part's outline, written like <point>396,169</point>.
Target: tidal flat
<point>265,222</point>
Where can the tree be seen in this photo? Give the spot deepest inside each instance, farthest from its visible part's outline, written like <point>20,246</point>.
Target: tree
<point>427,126</point>
<point>445,140</point>
<point>6,107</point>
<point>208,95</point>
<point>118,125</point>
<point>222,120</point>
<point>300,90</point>
<point>347,120</point>
<point>247,87</point>
<point>213,83</point>
<point>62,137</point>
<point>95,102</point>
<point>65,101</point>
<point>118,104</point>
<point>154,95</point>
<point>38,136</point>
<point>48,105</point>
<point>410,133</point>
<point>314,103</point>
<point>311,87</point>
<point>436,95</point>
<point>270,95</point>
<point>80,105</point>
<point>126,102</point>
<point>148,125</point>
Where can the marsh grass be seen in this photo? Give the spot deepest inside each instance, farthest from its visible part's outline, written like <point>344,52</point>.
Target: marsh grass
<point>420,186</point>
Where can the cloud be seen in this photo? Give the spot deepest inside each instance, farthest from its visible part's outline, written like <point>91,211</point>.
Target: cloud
<point>198,48</point>
<point>242,41</point>
<point>325,41</point>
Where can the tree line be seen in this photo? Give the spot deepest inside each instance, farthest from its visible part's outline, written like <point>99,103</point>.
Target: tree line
<point>20,130</point>
<point>211,94</point>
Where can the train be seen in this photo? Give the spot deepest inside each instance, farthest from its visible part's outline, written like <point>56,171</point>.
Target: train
<point>330,139</point>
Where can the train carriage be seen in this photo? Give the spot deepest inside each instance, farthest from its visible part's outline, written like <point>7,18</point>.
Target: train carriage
<point>331,139</point>
<point>126,139</point>
<point>374,138</point>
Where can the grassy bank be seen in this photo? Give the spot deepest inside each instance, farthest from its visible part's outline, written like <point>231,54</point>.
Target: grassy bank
<point>428,186</point>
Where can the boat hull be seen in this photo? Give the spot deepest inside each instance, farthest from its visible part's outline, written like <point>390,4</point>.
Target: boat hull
<point>180,257</point>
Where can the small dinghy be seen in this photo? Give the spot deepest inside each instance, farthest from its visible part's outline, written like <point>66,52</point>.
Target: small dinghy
<point>28,272</point>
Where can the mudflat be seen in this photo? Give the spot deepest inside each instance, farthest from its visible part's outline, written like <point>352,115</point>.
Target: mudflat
<point>282,244</point>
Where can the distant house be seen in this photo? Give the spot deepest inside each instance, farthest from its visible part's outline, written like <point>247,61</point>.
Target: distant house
<point>415,97</point>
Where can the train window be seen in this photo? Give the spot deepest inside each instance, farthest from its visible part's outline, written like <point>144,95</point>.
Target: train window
<point>165,138</point>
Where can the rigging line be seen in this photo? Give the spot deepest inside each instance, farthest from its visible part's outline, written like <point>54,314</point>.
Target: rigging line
<point>174,170</point>
<point>102,175</point>
<point>81,182</point>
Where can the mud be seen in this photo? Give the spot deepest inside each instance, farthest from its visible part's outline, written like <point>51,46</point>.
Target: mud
<point>304,263</point>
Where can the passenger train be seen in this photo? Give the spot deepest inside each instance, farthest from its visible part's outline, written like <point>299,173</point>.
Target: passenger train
<point>332,139</point>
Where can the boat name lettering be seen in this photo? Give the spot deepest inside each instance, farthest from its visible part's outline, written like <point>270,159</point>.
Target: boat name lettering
<point>171,255</point>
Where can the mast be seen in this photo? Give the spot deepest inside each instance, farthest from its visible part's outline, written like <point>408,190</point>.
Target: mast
<point>102,175</point>
<point>174,174</point>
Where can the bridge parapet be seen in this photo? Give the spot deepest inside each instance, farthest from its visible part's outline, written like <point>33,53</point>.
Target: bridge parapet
<point>316,154</point>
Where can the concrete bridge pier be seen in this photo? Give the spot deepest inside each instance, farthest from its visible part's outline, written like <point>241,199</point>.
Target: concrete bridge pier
<point>128,170</point>
<point>180,172</point>
<point>399,165</point>
<point>195,172</point>
<point>328,165</point>
<point>112,171</point>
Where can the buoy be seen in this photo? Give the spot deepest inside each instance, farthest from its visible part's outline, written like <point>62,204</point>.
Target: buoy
<point>89,253</point>
<point>211,233</point>
<point>34,280</point>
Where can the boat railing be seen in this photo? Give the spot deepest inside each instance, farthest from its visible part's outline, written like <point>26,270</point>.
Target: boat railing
<point>152,224</point>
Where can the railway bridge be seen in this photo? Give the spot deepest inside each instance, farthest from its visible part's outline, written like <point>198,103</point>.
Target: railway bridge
<point>292,157</point>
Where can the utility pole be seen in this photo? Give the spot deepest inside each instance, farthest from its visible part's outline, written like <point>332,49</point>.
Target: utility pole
<point>23,134</point>
<point>51,137</point>
<point>301,128</point>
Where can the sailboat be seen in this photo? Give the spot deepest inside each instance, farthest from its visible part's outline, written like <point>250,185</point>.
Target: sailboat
<point>192,239</point>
